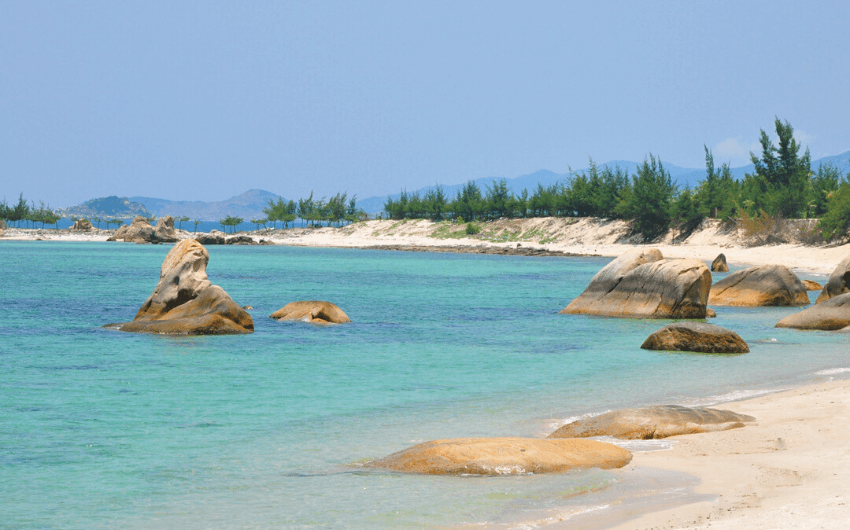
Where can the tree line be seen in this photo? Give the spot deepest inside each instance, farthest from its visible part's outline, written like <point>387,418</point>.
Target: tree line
<point>337,209</point>
<point>782,185</point>
<point>28,212</point>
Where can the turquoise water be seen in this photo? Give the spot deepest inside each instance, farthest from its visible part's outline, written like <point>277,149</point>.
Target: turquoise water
<point>102,429</point>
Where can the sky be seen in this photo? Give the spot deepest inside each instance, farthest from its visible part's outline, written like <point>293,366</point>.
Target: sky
<point>205,100</point>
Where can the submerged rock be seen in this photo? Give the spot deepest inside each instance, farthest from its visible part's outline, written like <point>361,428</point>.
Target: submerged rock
<point>653,422</point>
<point>696,337</point>
<point>313,311</point>
<point>838,283</point>
<point>184,302</point>
<point>765,285</point>
<point>719,264</point>
<point>830,315</point>
<point>504,456</point>
<point>642,284</point>
<point>811,285</point>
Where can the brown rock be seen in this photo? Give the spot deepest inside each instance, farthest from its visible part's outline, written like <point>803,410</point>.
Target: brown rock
<point>710,313</point>
<point>82,225</point>
<point>695,337</point>
<point>832,314</point>
<point>504,456</point>
<point>719,264</point>
<point>184,301</point>
<point>213,238</point>
<point>240,240</point>
<point>811,285</point>
<point>313,311</point>
<point>140,230</point>
<point>653,422</point>
<point>641,284</point>
<point>164,232</point>
<point>838,283</point>
<point>766,285</point>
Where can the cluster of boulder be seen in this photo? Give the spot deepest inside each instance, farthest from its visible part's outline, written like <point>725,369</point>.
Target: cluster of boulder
<point>141,231</point>
<point>566,449</point>
<point>184,301</point>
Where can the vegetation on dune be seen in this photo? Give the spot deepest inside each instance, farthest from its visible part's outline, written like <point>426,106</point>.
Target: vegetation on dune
<point>782,186</point>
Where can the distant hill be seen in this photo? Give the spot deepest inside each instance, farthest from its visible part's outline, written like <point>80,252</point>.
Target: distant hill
<point>112,207</point>
<point>248,205</point>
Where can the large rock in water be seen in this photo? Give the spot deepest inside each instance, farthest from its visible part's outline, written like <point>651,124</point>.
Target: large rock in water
<point>184,301</point>
<point>839,282</point>
<point>696,337</point>
<point>830,315</point>
<point>139,231</point>
<point>653,422</point>
<point>765,285</point>
<point>313,311</point>
<point>504,456</point>
<point>719,264</point>
<point>642,284</point>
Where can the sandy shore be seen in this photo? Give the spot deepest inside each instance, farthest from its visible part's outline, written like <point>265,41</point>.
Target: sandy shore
<point>788,471</point>
<point>539,236</point>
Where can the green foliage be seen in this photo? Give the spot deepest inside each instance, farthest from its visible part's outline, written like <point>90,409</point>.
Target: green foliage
<point>230,221</point>
<point>837,218</point>
<point>781,179</point>
<point>687,212</point>
<point>472,229</point>
<point>648,202</point>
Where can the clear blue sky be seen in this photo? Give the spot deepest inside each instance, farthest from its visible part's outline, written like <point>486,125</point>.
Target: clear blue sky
<point>204,100</point>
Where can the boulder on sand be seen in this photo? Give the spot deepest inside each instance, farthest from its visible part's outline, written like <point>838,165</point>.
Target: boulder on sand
<point>719,264</point>
<point>504,456</point>
<point>830,315</point>
<point>765,285</point>
<point>838,283</point>
<point>214,237</point>
<point>313,311</point>
<point>164,231</point>
<point>642,284</point>
<point>241,240</point>
<point>184,301</point>
<point>81,225</point>
<point>139,231</point>
<point>695,337</point>
<point>653,422</point>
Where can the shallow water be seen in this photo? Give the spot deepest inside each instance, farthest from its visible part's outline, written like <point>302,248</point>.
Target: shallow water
<point>101,429</point>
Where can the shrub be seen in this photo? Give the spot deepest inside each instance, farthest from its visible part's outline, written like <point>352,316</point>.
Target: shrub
<point>472,229</point>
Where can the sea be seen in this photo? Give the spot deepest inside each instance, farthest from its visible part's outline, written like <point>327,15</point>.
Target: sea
<point>105,430</point>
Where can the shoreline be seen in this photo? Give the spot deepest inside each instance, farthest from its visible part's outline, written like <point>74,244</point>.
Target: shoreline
<point>785,471</point>
<point>782,472</point>
<point>557,237</point>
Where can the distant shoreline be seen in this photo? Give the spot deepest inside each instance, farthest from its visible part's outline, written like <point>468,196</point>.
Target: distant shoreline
<point>562,237</point>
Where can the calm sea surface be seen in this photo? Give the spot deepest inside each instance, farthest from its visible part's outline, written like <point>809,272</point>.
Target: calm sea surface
<point>102,429</point>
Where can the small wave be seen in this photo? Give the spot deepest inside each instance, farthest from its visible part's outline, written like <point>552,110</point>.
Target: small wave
<point>833,371</point>
<point>558,517</point>
<point>736,395</point>
<point>639,446</point>
<point>555,424</point>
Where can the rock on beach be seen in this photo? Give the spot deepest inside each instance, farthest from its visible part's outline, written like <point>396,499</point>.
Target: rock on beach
<point>185,302</point>
<point>765,285</point>
<point>653,422</point>
<point>642,284</point>
<point>504,456</point>
<point>719,264</point>
<point>696,337</point>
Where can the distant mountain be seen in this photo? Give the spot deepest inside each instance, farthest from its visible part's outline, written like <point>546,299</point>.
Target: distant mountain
<point>248,205</point>
<point>682,176</point>
<point>107,207</point>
